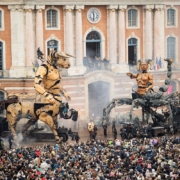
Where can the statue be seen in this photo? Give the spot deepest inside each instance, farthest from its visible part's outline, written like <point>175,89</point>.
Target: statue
<point>40,54</point>
<point>48,108</point>
<point>144,79</point>
<point>145,97</point>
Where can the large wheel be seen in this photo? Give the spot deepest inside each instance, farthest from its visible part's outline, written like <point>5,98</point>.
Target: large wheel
<point>64,136</point>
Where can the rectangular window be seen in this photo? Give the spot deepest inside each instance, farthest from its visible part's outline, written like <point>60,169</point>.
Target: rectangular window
<point>51,18</point>
<point>170,17</point>
<point>132,17</point>
<point>54,18</point>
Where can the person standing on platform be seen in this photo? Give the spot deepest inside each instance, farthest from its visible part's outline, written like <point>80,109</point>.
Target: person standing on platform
<point>77,138</point>
<point>91,129</point>
<point>10,139</point>
<point>115,133</point>
<point>1,144</point>
<point>113,125</point>
<point>105,130</point>
<point>95,132</point>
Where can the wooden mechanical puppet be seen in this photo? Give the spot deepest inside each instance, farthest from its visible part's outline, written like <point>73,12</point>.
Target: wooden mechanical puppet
<point>144,79</point>
<point>47,84</point>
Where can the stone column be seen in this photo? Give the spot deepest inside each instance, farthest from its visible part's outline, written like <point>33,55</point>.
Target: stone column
<point>121,34</point>
<point>17,41</point>
<point>78,37</point>
<point>148,44</point>
<point>39,28</point>
<point>159,33</point>
<point>30,52</point>
<point>68,31</point>
<point>112,34</point>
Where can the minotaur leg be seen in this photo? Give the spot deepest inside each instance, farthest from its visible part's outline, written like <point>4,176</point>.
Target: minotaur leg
<point>46,118</point>
<point>13,115</point>
<point>55,122</point>
<point>12,124</point>
<point>28,124</point>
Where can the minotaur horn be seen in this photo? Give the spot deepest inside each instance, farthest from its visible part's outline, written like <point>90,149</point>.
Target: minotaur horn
<point>148,61</point>
<point>138,64</point>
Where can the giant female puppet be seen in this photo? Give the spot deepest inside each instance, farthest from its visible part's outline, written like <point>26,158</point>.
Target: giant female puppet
<point>47,84</point>
<point>144,79</point>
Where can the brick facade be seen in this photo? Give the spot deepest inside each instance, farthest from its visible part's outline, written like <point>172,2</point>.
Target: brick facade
<point>120,85</point>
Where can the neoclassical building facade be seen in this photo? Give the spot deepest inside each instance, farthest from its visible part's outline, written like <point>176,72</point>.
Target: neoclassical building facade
<point>117,30</point>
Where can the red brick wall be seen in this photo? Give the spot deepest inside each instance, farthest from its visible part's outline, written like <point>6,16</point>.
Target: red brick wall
<point>6,36</point>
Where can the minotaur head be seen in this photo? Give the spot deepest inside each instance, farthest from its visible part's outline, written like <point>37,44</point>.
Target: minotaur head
<point>59,59</point>
<point>144,64</point>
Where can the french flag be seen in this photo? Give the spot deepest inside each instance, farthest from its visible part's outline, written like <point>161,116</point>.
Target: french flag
<point>156,67</point>
<point>158,64</point>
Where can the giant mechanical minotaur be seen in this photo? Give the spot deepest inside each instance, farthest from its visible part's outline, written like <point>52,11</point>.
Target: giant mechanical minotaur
<point>47,84</point>
<point>49,76</point>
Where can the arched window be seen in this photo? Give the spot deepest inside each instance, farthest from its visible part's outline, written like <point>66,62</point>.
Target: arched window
<point>132,18</point>
<point>93,36</point>
<point>52,44</point>
<point>132,51</point>
<point>171,48</point>
<point>52,18</point>
<point>93,42</point>
<point>1,55</point>
<point>171,17</point>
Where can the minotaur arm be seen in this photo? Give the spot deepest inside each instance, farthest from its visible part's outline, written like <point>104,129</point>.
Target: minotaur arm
<point>41,72</point>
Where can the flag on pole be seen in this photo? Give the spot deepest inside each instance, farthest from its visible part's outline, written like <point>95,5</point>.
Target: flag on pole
<point>37,65</point>
<point>156,60</point>
<point>160,62</point>
<point>33,67</point>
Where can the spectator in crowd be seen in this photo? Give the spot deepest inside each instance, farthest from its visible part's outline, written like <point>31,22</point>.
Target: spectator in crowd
<point>97,159</point>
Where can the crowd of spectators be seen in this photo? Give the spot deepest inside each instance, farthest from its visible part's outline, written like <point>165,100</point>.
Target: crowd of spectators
<point>136,159</point>
<point>96,63</point>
